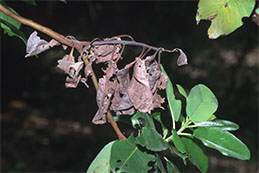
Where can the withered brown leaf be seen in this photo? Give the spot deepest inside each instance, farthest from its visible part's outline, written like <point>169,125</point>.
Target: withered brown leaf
<point>139,90</point>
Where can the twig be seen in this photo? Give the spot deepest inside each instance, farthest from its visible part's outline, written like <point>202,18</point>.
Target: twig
<point>62,39</point>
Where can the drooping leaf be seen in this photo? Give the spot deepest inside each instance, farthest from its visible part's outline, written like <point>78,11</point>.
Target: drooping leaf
<point>177,142</point>
<point>222,124</point>
<point>101,163</point>
<point>170,167</point>
<point>175,106</point>
<point>31,2</point>
<point>201,103</point>
<point>181,90</point>
<point>182,59</point>
<point>149,137</point>
<point>196,154</point>
<point>223,141</point>
<point>127,157</point>
<point>225,16</point>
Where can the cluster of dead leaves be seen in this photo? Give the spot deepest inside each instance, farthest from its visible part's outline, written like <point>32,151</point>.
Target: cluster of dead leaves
<point>124,91</point>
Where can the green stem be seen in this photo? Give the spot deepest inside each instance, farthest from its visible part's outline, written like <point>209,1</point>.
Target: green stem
<point>184,134</point>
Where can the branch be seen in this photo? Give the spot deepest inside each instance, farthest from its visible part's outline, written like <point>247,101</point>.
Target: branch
<point>62,39</point>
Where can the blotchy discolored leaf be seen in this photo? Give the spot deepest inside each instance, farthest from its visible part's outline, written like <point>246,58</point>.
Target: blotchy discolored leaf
<point>225,16</point>
<point>127,157</point>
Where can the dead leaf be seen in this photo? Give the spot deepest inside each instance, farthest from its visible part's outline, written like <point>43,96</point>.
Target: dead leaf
<point>182,59</point>
<point>255,17</point>
<point>139,90</point>
<point>65,63</point>
<point>157,101</point>
<point>35,45</point>
<point>72,82</point>
<point>103,97</point>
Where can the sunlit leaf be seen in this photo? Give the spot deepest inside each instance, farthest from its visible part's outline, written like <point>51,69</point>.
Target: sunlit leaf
<point>201,103</point>
<point>127,157</point>
<point>223,141</point>
<point>101,163</point>
<point>222,124</point>
<point>196,154</point>
<point>225,16</point>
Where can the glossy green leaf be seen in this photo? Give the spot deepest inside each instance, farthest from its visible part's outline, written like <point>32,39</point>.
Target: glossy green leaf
<point>177,142</point>
<point>171,167</point>
<point>31,2</point>
<point>181,90</point>
<point>149,137</point>
<point>13,31</point>
<point>101,163</point>
<point>157,117</point>
<point>225,16</point>
<point>223,141</point>
<point>222,124</point>
<point>201,103</point>
<point>175,106</point>
<point>183,156</point>
<point>127,157</point>
<point>196,154</point>
<point>160,164</point>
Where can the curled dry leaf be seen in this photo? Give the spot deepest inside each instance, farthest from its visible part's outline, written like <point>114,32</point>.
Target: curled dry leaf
<point>139,90</point>
<point>182,59</point>
<point>35,45</point>
<point>103,97</point>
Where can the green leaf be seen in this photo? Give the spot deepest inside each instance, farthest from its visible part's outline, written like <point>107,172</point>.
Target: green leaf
<point>175,106</point>
<point>177,142</point>
<point>171,167</point>
<point>196,154</point>
<point>183,156</point>
<point>65,1</point>
<point>157,117</point>
<point>127,157</point>
<point>13,31</point>
<point>31,2</point>
<point>223,141</point>
<point>101,163</point>
<point>222,124</point>
<point>225,16</point>
<point>201,104</point>
<point>142,120</point>
<point>149,137</point>
<point>11,27</point>
<point>160,164</point>
<point>181,90</point>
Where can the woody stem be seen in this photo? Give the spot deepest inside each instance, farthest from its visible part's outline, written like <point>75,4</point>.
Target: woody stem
<point>62,39</point>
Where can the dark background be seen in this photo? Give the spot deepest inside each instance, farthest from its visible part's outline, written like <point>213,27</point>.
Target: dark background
<point>47,128</point>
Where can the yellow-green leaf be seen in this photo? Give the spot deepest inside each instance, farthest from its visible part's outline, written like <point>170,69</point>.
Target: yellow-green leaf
<point>225,15</point>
